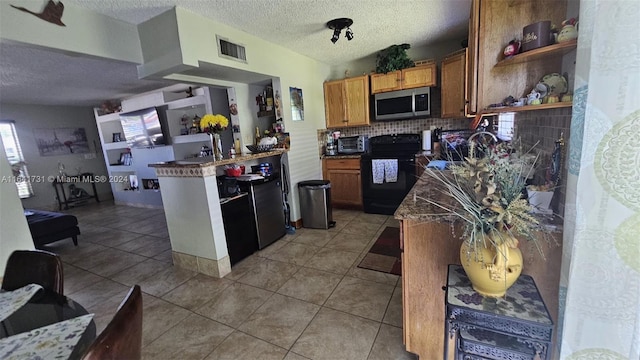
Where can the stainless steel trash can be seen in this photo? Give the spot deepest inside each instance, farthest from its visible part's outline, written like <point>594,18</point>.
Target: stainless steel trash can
<point>315,204</point>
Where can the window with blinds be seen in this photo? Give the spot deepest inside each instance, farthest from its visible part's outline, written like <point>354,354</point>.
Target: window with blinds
<point>506,126</point>
<point>16,160</point>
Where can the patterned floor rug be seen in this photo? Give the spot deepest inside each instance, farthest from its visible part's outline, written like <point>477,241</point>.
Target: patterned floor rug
<point>384,255</point>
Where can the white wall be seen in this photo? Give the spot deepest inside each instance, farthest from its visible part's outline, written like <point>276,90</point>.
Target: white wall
<point>367,65</point>
<point>15,234</point>
<point>28,117</point>
<point>194,49</point>
<point>86,32</point>
<point>220,105</point>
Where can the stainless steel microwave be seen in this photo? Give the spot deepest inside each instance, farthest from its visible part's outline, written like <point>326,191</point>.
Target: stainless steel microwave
<point>402,104</point>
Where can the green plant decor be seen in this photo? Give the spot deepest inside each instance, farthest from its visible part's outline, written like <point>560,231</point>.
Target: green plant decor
<point>487,196</point>
<point>393,58</point>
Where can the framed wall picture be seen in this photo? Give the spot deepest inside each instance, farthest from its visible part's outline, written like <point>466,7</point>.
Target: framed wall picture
<point>297,104</point>
<point>61,141</point>
<point>125,158</point>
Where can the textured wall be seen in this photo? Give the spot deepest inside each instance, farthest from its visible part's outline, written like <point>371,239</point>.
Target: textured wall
<point>29,117</point>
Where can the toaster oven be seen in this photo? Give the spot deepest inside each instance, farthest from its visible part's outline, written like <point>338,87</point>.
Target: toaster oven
<point>353,144</point>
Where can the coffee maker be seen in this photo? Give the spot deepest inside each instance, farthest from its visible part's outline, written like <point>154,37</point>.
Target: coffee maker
<point>331,146</point>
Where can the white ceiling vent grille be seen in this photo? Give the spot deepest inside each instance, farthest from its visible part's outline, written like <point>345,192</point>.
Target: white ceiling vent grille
<point>231,50</point>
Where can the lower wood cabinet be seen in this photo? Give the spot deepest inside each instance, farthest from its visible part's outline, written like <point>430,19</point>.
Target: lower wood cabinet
<point>346,184</point>
<point>428,247</point>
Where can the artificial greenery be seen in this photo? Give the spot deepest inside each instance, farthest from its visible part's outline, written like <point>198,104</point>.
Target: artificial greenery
<point>487,194</point>
<point>393,58</point>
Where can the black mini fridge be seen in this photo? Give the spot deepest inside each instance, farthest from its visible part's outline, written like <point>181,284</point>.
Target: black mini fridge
<point>239,227</point>
<point>266,199</point>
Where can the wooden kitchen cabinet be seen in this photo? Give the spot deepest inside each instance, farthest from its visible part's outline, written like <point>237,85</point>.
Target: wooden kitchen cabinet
<point>428,247</point>
<point>346,186</point>
<point>493,23</point>
<point>453,80</point>
<point>419,76</point>
<point>346,102</point>
<point>409,78</point>
<point>386,82</point>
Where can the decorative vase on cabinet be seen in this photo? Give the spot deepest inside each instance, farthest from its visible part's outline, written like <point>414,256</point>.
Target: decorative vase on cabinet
<point>492,269</point>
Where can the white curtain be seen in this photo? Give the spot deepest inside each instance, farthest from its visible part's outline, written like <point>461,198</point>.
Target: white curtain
<point>600,282</point>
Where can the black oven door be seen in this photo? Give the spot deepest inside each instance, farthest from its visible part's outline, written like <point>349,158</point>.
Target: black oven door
<point>386,197</point>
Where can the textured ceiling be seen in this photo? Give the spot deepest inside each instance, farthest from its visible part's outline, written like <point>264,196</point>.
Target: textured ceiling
<point>299,25</point>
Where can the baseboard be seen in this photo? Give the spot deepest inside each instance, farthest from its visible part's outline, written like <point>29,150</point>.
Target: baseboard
<point>348,206</point>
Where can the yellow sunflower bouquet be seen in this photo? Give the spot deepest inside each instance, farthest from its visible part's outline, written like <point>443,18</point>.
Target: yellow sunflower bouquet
<point>213,123</point>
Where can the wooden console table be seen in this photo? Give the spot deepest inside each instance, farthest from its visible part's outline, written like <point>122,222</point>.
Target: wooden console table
<point>61,194</point>
<point>517,326</point>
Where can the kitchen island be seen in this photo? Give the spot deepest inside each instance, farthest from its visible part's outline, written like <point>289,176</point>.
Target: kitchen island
<point>430,240</point>
<point>192,209</point>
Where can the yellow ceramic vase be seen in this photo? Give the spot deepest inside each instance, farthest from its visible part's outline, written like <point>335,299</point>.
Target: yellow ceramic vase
<point>495,269</point>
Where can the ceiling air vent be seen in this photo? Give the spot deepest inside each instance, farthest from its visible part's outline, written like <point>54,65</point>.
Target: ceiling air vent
<point>231,50</point>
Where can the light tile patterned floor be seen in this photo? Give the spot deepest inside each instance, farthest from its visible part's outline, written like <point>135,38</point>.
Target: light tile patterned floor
<point>303,297</point>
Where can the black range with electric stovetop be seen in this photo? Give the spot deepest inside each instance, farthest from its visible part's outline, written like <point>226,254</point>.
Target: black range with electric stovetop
<point>388,171</point>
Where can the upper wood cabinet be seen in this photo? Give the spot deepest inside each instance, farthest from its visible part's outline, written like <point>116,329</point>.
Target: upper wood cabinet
<point>471,94</point>
<point>386,82</point>
<point>453,76</point>
<point>409,78</point>
<point>346,102</point>
<point>493,23</point>
<point>419,76</point>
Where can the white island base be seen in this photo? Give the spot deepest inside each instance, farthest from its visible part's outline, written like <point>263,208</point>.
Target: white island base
<point>194,218</point>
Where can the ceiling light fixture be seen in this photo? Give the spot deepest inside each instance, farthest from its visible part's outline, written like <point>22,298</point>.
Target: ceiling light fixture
<point>337,25</point>
<point>349,34</point>
<point>336,35</point>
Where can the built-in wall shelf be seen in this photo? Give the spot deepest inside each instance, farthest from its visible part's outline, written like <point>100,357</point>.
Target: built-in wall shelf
<point>198,100</point>
<point>266,113</point>
<point>107,117</point>
<point>185,139</point>
<point>121,145</point>
<point>130,170</point>
<point>529,107</point>
<point>540,53</point>
<point>488,112</point>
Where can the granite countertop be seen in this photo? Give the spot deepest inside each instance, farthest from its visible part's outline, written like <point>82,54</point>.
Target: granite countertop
<point>428,154</point>
<point>210,161</point>
<point>341,156</point>
<point>416,207</point>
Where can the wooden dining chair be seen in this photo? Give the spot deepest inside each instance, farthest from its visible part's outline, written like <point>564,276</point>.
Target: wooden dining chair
<point>122,338</point>
<point>40,267</point>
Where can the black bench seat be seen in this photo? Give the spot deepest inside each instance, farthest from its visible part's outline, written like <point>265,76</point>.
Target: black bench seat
<point>47,226</point>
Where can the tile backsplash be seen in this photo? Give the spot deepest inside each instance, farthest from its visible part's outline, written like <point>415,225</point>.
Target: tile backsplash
<point>395,127</point>
<point>546,126</point>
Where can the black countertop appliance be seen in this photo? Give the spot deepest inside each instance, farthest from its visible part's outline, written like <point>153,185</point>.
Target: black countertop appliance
<point>266,201</point>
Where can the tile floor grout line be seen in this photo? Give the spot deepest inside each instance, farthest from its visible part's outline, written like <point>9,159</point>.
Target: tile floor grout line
<point>260,258</point>
<point>374,341</point>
